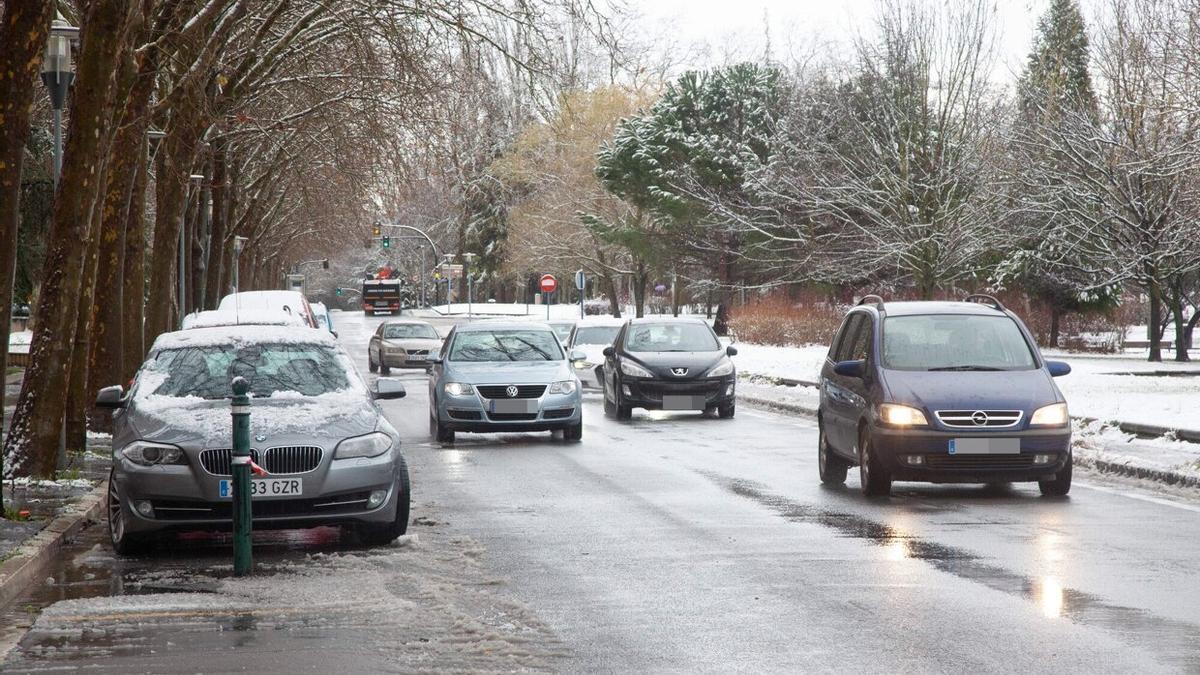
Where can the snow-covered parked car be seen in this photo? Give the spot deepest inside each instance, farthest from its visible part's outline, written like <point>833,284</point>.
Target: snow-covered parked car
<point>218,317</point>
<point>321,313</point>
<point>330,456</point>
<point>289,302</point>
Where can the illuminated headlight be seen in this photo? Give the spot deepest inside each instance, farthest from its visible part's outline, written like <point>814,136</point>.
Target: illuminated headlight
<point>725,367</point>
<point>370,445</point>
<point>901,415</point>
<point>564,387</point>
<point>1054,415</point>
<point>634,370</point>
<point>145,453</point>
<point>583,365</point>
<point>458,389</point>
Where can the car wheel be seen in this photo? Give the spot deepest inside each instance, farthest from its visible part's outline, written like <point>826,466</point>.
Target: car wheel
<point>384,370</point>
<point>831,467</point>
<point>371,365</point>
<point>381,535</point>
<point>1060,485</point>
<point>875,480</point>
<point>440,433</point>
<point>573,433</point>
<point>123,542</point>
<point>726,410</point>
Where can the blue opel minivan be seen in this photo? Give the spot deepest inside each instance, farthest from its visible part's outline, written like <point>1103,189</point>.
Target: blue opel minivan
<point>942,392</point>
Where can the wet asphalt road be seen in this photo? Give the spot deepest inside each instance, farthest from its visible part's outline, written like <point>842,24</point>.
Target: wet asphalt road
<point>674,542</point>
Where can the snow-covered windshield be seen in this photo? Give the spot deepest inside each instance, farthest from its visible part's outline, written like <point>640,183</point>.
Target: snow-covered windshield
<point>671,337</point>
<point>206,371</point>
<point>596,335</point>
<point>954,342</point>
<point>406,331</point>
<point>506,345</point>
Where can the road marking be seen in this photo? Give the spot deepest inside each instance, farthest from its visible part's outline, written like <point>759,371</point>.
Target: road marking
<point>1145,498</point>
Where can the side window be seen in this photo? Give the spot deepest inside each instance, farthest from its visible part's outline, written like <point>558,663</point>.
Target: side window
<point>846,337</point>
<point>861,348</point>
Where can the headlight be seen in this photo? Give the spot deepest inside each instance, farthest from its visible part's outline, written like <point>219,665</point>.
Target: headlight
<point>145,453</point>
<point>583,365</point>
<point>634,370</point>
<point>1054,415</point>
<point>725,367</point>
<point>564,387</point>
<point>902,415</point>
<point>458,389</point>
<point>370,445</point>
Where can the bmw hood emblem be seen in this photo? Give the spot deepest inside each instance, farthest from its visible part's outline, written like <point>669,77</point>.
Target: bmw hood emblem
<point>260,438</point>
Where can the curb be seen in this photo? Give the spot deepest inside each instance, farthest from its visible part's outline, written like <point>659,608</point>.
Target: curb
<point>22,571</point>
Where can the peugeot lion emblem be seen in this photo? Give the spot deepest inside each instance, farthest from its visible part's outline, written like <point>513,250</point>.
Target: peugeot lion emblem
<point>679,371</point>
<point>979,417</point>
<point>511,391</point>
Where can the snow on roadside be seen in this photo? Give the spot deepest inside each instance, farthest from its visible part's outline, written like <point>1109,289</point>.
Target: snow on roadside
<point>1100,442</point>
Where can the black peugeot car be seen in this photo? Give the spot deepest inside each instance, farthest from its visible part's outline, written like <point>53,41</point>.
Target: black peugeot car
<point>668,364</point>
<point>944,392</point>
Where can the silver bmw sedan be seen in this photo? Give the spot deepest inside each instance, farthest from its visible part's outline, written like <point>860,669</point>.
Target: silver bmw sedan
<point>328,455</point>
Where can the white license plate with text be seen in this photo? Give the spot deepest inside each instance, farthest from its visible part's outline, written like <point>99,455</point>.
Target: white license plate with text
<point>266,488</point>
<point>985,446</point>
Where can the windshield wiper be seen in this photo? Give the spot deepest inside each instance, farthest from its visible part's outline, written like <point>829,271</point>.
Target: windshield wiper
<point>965,368</point>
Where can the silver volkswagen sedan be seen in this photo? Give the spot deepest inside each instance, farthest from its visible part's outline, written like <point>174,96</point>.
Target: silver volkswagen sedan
<point>503,376</point>
<point>328,455</point>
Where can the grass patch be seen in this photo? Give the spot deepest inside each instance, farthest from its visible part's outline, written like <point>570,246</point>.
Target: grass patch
<point>12,370</point>
<point>14,513</point>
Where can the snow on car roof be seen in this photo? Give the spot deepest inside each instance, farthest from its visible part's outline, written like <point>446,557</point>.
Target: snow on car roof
<point>245,317</point>
<point>262,299</point>
<point>237,336</point>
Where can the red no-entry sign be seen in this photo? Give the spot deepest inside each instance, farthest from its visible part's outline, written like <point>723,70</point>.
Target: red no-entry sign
<point>548,283</point>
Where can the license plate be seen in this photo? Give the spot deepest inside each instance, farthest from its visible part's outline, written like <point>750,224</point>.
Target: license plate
<point>416,357</point>
<point>379,303</point>
<point>985,446</point>
<point>520,405</point>
<point>266,488</point>
<point>683,403</point>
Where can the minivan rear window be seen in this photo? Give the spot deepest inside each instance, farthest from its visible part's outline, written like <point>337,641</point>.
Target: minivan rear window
<point>955,342</point>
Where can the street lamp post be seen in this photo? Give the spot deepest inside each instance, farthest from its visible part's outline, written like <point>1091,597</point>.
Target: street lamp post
<point>467,258</point>
<point>239,243</point>
<point>449,259</point>
<point>58,71</point>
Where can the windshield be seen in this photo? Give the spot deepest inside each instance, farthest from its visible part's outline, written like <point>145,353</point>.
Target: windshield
<point>596,335</point>
<point>402,331</point>
<point>562,330</point>
<point>955,342</point>
<point>671,337</point>
<point>506,345</point>
<point>308,370</point>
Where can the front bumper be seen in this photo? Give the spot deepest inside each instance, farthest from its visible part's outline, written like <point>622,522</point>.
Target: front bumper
<point>895,448</point>
<point>590,376</point>
<point>648,393</point>
<point>186,497</point>
<point>403,360</point>
<point>471,413</point>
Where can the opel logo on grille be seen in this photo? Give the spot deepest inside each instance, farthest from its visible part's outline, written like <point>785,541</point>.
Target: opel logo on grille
<point>511,391</point>
<point>979,417</point>
<point>679,371</point>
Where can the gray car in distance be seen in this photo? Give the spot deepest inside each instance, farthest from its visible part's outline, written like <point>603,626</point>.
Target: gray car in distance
<point>402,344</point>
<point>329,455</point>
<point>503,376</point>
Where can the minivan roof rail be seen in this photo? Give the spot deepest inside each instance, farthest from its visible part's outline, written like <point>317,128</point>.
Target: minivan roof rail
<point>983,299</point>
<point>873,299</point>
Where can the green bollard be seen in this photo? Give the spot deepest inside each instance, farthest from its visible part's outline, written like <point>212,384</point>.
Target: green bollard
<point>243,556</point>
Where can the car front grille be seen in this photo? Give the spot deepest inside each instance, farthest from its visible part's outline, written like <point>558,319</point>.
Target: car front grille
<point>464,414</point>
<point>559,414</point>
<point>654,391</point>
<point>501,390</point>
<point>417,352</point>
<point>979,419</point>
<point>512,417</point>
<point>978,462</point>
<point>182,510</point>
<point>282,460</point>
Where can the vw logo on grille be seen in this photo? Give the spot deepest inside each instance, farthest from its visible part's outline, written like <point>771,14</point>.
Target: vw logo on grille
<point>679,371</point>
<point>979,417</point>
<point>511,391</point>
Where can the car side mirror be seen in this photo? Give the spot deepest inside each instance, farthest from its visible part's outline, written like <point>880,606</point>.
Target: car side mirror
<point>434,358</point>
<point>731,350</point>
<point>111,397</point>
<point>1058,368</point>
<point>850,368</point>
<point>577,355</point>
<point>389,388</point>
<point>609,352</point>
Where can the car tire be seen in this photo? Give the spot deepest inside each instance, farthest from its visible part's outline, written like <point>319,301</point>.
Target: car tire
<point>382,535</point>
<point>123,542</point>
<point>440,433</point>
<point>830,467</point>
<point>1060,485</point>
<point>726,410</point>
<point>573,433</point>
<point>384,370</point>
<point>874,478</point>
<point>371,365</point>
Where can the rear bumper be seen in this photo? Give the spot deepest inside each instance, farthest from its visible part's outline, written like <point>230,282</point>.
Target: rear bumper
<point>896,449</point>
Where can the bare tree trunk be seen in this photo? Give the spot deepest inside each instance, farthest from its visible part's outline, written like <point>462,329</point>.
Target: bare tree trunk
<point>1153,325</point>
<point>1055,317</point>
<point>37,421</point>
<point>640,280</point>
<point>78,384</point>
<point>216,247</point>
<point>1176,300</point>
<point>174,166</point>
<point>133,295</point>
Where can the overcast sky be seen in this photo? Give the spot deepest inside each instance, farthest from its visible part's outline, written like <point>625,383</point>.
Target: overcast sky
<point>726,24</point>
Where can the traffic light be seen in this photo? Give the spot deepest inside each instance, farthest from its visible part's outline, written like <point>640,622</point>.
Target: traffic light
<point>337,291</point>
<point>387,242</point>
<point>376,230</point>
